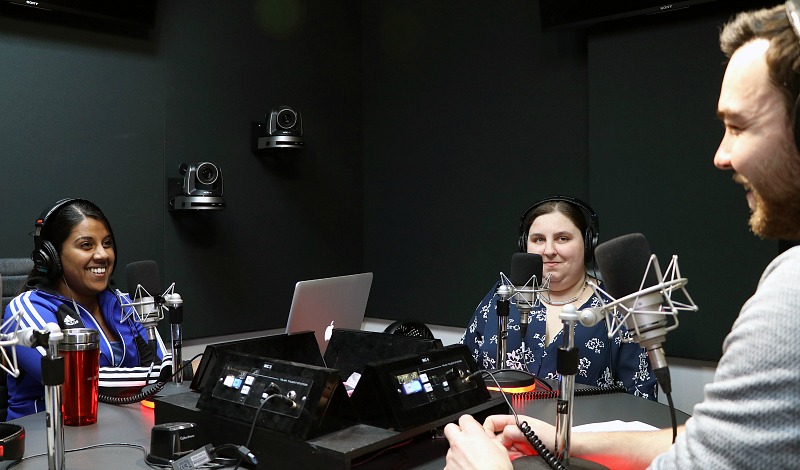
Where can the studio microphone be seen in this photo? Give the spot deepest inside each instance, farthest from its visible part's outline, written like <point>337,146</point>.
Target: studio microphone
<point>642,297</point>
<point>526,271</point>
<point>624,262</point>
<point>143,285</point>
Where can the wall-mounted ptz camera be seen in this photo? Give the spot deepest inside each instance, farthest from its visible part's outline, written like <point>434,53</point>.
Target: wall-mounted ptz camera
<point>284,120</point>
<point>201,179</point>
<point>199,189</point>
<point>283,128</point>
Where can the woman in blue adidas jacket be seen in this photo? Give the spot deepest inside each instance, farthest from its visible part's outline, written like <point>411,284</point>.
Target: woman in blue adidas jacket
<point>74,257</point>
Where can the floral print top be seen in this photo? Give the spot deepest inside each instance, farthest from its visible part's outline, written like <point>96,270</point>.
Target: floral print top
<point>603,362</point>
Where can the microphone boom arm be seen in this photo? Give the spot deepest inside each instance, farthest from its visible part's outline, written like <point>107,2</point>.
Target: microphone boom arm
<point>29,337</point>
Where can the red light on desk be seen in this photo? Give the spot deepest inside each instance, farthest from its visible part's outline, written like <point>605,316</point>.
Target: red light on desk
<point>510,381</point>
<point>148,404</point>
<point>512,389</point>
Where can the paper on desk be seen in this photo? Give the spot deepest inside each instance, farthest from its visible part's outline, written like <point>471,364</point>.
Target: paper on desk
<point>615,425</point>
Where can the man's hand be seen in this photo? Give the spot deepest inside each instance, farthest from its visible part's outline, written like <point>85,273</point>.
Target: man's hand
<point>473,447</point>
<point>512,438</point>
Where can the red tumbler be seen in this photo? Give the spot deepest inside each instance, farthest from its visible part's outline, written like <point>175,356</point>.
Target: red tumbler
<point>81,351</point>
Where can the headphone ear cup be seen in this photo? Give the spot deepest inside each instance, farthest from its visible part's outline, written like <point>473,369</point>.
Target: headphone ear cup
<point>12,441</point>
<point>589,241</point>
<point>523,243</point>
<point>797,123</point>
<point>46,260</point>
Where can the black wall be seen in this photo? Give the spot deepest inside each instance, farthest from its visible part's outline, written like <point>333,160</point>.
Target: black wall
<point>430,127</point>
<point>472,113</point>
<point>653,136</point>
<point>110,117</point>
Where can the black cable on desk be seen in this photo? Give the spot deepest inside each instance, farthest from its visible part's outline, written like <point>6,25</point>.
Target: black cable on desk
<point>664,380</point>
<point>275,394</point>
<point>525,428</point>
<point>93,446</point>
<point>534,440</point>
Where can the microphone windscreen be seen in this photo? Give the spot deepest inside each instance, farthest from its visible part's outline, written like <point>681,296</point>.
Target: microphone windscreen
<point>144,273</point>
<point>524,266</point>
<point>622,262</point>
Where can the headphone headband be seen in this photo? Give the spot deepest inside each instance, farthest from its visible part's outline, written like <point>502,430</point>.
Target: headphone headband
<point>42,219</point>
<point>590,237</point>
<point>792,8</point>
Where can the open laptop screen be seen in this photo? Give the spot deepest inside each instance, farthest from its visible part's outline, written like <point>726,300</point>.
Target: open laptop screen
<point>320,305</point>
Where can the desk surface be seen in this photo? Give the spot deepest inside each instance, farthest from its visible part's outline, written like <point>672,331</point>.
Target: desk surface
<point>132,424</point>
<point>115,424</point>
<point>601,408</point>
<point>587,409</point>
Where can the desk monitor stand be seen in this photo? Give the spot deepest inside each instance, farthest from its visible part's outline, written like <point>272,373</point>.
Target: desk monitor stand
<point>299,400</point>
<point>411,390</point>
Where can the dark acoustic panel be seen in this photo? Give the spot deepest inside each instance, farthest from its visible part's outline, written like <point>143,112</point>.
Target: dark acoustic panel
<point>443,191</point>
<point>237,267</point>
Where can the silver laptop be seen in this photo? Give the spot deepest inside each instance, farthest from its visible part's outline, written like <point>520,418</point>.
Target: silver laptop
<point>320,305</point>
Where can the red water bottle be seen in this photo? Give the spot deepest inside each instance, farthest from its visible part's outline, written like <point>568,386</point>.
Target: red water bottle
<point>81,351</point>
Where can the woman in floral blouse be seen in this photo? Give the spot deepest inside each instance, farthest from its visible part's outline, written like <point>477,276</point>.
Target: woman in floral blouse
<point>557,229</point>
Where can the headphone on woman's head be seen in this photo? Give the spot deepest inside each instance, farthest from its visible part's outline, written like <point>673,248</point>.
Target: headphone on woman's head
<point>45,256</point>
<point>590,236</point>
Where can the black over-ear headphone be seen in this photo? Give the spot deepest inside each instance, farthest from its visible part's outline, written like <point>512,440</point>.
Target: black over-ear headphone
<point>590,236</point>
<point>793,14</point>
<point>45,256</point>
<point>12,441</point>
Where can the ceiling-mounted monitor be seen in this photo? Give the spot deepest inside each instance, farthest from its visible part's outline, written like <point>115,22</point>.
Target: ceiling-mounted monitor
<point>110,15</point>
<point>556,14</point>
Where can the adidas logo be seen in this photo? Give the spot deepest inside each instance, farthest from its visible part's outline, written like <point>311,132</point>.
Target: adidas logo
<point>69,321</point>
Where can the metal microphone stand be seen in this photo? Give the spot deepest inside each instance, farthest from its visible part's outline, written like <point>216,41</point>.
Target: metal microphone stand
<point>567,367</point>
<point>53,379</point>
<point>503,307</point>
<point>174,303</point>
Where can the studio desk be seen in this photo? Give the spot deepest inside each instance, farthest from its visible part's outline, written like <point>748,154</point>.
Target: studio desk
<point>359,446</point>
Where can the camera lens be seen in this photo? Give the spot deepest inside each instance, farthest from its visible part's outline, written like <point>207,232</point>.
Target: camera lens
<point>207,173</point>
<point>287,118</point>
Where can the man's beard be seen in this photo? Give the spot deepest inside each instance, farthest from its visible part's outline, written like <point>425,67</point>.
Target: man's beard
<point>777,210</point>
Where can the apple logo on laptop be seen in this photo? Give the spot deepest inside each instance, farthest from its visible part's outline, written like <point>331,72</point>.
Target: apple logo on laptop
<point>329,332</point>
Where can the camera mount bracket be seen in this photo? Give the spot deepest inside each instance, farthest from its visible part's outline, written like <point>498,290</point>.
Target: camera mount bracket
<point>177,200</point>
